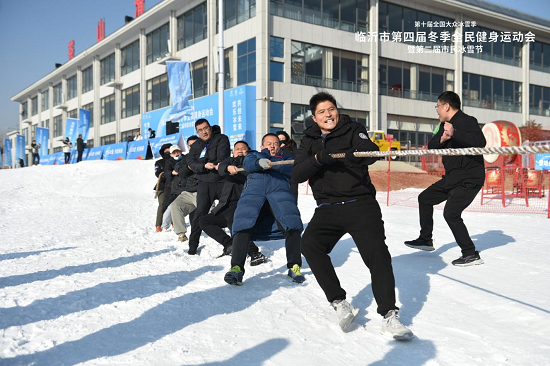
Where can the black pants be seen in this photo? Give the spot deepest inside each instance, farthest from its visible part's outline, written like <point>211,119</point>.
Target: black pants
<point>207,193</point>
<point>363,221</point>
<point>213,226</point>
<point>35,159</point>
<point>67,158</point>
<point>79,157</point>
<point>457,199</point>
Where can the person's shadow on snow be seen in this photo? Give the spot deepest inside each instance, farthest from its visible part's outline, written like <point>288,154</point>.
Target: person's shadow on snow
<point>164,319</point>
<point>267,349</point>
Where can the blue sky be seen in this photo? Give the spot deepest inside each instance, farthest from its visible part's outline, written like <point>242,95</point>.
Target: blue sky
<point>34,35</point>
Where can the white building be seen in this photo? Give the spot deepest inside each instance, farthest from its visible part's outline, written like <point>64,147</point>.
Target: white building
<point>291,49</point>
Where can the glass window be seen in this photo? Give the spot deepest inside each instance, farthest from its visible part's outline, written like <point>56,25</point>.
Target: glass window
<point>276,71</point>
<point>331,14</point>
<point>424,83</point>
<point>158,94</point>
<point>71,87</point>
<point>475,87</point>
<point>157,44</point>
<point>395,82</point>
<point>90,143</point>
<point>72,114</point>
<point>129,58</point>
<point>130,101</point>
<point>57,126</point>
<point>107,69</point>
<point>395,18</point>
<point>246,62</point>
<point>312,11</point>
<point>24,110</point>
<point>237,11</point>
<point>57,96</point>
<point>87,79</point>
<point>199,70</point>
<point>486,92</point>
<point>34,106</point>
<point>90,107</point>
<point>438,85</point>
<point>108,109</point>
<point>348,76</point>
<point>108,140</point>
<point>275,112</point>
<point>46,100</point>
<point>276,47</point>
<point>192,26</point>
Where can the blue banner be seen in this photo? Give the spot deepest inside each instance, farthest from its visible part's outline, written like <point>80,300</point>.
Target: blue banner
<point>179,83</point>
<point>42,138</point>
<point>8,161</point>
<point>83,124</point>
<point>47,159</point>
<point>115,151</point>
<point>175,139</point>
<point>72,130</point>
<point>59,158</point>
<point>137,149</point>
<point>239,108</point>
<point>95,153</point>
<point>20,149</point>
<point>542,162</point>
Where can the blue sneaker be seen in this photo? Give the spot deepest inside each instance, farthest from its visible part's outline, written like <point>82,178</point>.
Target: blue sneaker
<point>234,276</point>
<point>295,275</point>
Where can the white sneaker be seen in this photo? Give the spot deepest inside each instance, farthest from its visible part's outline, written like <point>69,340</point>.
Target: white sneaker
<point>393,327</point>
<point>345,312</point>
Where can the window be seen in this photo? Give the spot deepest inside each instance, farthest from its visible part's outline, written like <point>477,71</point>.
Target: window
<point>407,80</point>
<point>329,68</point>
<point>45,124</point>
<point>108,140</point>
<point>298,115</point>
<point>107,69</point>
<point>125,134</point>
<point>157,44</point>
<point>539,58</point>
<point>90,143</point>
<point>276,71</point>
<point>491,93</point>
<point>72,114</point>
<point>192,26</point>
<point>275,116</point>
<point>46,100</point>
<point>130,101</point>
<point>502,52</point>
<point>57,96</point>
<point>129,58</point>
<point>24,110</point>
<point>227,69</point>
<point>246,62</point>
<point>87,79</point>
<point>90,107</point>
<point>71,87</point>
<point>539,100</point>
<point>158,94</point>
<point>276,47</point>
<point>57,126</point>
<point>199,72</point>
<point>236,11</point>
<point>26,134</point>
<point>34,106</point>
<point>350,16</point>
<point>108,109</point>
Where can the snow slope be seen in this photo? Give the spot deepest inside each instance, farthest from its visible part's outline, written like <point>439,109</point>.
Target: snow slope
<point>85,280</point>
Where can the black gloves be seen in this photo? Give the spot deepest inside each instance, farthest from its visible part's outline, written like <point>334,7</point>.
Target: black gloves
<point>323,157</point>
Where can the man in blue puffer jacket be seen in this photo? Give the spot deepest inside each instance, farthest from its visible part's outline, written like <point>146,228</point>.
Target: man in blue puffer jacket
<point>272,183</point>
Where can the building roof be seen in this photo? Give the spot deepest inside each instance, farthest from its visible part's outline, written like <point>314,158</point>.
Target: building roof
<point>507,11</point>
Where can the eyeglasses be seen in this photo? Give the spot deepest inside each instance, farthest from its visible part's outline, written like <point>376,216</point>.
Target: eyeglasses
<point>439,105</point>
<point>204,129</point>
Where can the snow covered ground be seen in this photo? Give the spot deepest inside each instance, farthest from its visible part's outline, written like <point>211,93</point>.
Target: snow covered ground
<point>85,280</point>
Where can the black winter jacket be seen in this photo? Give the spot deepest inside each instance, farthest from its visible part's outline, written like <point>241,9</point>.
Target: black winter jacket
<point>233,186</point>
<point>344,180</point>
<point>80,144</point>
<point>462,169</point>
<point>159,168</point>
<point>185,180</point>
<point>168,168</point>
<point>213,151</point>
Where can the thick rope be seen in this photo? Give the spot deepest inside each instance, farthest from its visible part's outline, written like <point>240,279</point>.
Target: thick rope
<point>445,152</point>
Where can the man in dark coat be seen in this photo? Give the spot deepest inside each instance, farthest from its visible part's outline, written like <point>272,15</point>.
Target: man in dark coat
<point>204,156</point>
<point>346,203</point>
<point>35,152</point>
<point>266,182</point>
<point>80,146</point>
<point>463,179</point>
<point>152,133</point>
<point>169,174</point>
<point>221,216</point>
<point>159,169</point>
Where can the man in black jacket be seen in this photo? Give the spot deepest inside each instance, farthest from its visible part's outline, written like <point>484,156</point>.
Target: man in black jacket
<point>221,216</point>
<point>204,156</point>
<point>463,179</point>
<point>80,145</point>
<point>159,169</point>
<point>184,186</point>
<point>346,203</point>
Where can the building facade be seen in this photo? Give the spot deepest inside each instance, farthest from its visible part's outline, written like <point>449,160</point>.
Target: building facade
<point>290,49</point>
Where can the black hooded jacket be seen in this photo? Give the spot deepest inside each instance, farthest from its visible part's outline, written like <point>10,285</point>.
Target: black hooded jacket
<point>159,166</point>
<point>461,169</point>
<point>233,186</point>
<point>344,180</point>
<point>213,151</point>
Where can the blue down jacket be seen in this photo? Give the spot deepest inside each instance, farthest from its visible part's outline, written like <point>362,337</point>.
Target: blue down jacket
<point>271,184</point>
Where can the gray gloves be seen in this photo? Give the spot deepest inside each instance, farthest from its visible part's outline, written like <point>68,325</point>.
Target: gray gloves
<point>264,163</point>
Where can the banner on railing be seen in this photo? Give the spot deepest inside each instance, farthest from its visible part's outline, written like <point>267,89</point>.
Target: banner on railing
<point>95,153</point>
<point>175,139</point>
<point>137,150</point>
<point>115,151</point>
<point>542,162</point>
